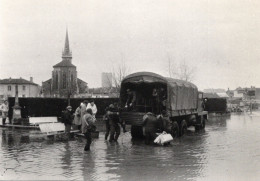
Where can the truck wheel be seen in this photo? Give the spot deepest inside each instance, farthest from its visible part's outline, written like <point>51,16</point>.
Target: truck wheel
<point>183,128</point>
<point>175,131</point>
<point>137,132</point>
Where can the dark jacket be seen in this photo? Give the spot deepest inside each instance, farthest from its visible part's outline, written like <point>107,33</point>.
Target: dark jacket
<point>67,117</point>
<point>113,116</point>
<point>150,123</point>
<point>131,98</point>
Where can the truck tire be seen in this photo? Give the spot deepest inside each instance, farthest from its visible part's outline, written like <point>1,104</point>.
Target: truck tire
<point>183,128</point>
<point>175,131</point>
<point>137,132</point>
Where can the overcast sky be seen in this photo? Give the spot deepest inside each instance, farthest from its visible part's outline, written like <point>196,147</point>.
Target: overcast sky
<point>221,38</point>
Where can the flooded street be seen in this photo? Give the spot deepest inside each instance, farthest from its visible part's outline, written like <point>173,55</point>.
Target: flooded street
<point>228,149</point>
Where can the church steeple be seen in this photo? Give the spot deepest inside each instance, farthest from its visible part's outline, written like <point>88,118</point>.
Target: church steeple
<point>66,54</point>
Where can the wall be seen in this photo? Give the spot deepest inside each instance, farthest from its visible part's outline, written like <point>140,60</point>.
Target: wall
<point>30,90</point>
<point>38,107</point>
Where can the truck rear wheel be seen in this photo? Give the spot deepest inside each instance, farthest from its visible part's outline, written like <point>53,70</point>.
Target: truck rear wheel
<point>137,132</point>
<point>183,127</point>
<point>175,131</point>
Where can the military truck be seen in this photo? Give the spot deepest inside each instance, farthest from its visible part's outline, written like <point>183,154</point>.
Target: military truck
<point>180,100</point>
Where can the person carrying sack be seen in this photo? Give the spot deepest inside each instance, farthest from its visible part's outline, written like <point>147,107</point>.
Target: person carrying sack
<point>87,127</point>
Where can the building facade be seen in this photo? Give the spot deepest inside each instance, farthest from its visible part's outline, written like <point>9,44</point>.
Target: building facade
<point>64,81</point>
<point>25,88</point>
<point>106,79</point>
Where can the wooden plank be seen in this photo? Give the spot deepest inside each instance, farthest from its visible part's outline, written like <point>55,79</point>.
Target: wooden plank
<point>40,120</point>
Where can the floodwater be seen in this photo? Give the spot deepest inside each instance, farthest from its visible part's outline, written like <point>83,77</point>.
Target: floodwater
<point>228,149</point>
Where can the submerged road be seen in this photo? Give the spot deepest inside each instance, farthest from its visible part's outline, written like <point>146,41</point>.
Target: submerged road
<point>228,149</point>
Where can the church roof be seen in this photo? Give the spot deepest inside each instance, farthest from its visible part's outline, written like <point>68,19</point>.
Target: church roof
<point>66,52</point>
<point>64,63</point>
<point>16,81</point>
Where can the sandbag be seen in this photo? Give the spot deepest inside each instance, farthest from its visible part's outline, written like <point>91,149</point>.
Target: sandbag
<point>163,138</point>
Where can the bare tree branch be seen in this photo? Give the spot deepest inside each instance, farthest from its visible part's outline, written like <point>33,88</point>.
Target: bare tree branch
<point>119,73</point>
<point>184,71</point>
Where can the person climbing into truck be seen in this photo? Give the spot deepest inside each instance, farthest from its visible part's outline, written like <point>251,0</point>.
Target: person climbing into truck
<point>131,98</point>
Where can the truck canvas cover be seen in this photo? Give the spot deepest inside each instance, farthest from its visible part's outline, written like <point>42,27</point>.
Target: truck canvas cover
<point>182,95</point>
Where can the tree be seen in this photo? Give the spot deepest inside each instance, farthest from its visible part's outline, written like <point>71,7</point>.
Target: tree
<point>119,73</point>
<point>182,71</point>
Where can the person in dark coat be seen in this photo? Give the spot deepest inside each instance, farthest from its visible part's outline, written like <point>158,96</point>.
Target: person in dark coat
<point>150,125</point>
<point>114,120</point>
<point>87,127</point>
<point>67,119</point>
<point>131,98</point>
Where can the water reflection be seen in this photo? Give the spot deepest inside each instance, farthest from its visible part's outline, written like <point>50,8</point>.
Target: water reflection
<point>200,155</point>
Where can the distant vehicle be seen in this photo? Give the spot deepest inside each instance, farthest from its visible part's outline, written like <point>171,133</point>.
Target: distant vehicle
<point>180,99</point>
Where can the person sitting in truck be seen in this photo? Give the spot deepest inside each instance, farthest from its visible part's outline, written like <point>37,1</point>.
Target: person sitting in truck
<point>162,97</point>
<point>131,98</point>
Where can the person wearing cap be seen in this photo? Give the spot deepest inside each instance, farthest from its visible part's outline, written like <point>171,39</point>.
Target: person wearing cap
<point>92,106</point>
<point>67,119</point>
<point>4,109</point>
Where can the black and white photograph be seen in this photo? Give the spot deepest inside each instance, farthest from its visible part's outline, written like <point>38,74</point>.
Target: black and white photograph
<point>136,90</point>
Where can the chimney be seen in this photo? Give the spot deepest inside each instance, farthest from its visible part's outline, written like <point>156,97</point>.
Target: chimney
<point>31,79</point>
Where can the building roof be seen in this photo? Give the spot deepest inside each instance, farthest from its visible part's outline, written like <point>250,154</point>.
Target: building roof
<point>210,95</point>
<point>223,95</point>
<point>79,80</point>
<point>64,63</point>
<point>16,81</point>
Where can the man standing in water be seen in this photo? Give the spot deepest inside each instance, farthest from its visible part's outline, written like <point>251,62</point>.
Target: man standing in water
<point>67,120</point>
<point>87,127</point>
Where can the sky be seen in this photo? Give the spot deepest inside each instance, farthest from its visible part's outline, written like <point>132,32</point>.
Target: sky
<point>220,39</point>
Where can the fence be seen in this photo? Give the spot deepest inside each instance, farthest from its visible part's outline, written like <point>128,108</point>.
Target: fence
<point>42,107</point>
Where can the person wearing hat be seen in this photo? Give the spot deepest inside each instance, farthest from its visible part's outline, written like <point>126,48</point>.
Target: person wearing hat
<point>67,119</point>
<point>4,109</point>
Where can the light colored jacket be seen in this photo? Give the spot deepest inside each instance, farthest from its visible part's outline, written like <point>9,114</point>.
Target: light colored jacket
<point>87,122</point>
<point>94,108</point>
<point>4,107</point>
<point>77,117</point>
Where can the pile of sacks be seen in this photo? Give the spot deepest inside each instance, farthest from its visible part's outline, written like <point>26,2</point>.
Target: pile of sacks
<point>163,138</point>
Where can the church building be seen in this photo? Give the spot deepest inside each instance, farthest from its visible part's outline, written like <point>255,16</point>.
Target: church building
<point>64,81</point>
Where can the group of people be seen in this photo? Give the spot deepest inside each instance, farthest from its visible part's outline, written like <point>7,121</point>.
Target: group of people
<point>83,118</point>
<point>153,124</point>
<point>113,122</point>
<point>158,97</point>
<point>4,108</point>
